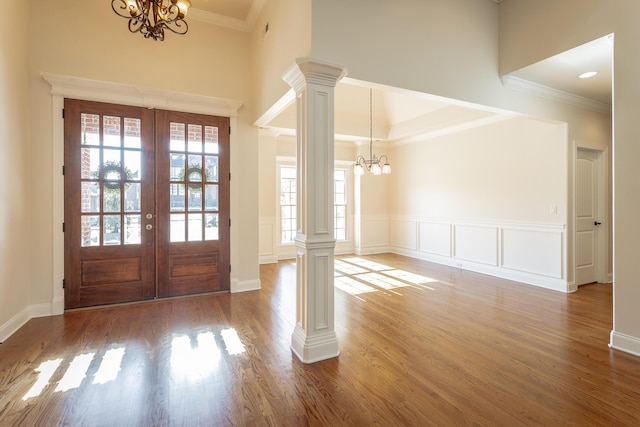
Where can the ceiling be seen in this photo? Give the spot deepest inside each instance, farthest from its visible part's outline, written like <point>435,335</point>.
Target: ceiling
<point>407,116</point>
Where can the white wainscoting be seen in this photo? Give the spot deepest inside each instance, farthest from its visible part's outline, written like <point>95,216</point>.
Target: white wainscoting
<point>267,240</point>
<point>374,234</point>
<point>532,253</point>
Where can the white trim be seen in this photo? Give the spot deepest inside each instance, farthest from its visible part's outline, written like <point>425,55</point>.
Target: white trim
<point>228,22</point>
<point>516,83</point>
<point>602,267</point>
<point>247,285</point>
<point>626,343</point>
<point>15,323</point>
<point>547,272</point>
<point>101,91</point>
<point>19,320</point>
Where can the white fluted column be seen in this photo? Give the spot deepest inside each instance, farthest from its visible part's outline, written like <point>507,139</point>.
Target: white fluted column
<point>314,337</point>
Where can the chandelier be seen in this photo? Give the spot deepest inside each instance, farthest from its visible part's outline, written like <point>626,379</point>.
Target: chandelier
<point>151,17</point>
<point>374,164</point>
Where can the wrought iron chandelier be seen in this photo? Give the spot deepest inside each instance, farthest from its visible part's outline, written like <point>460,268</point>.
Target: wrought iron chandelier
<point>151,17</point>
<point>374,164</point>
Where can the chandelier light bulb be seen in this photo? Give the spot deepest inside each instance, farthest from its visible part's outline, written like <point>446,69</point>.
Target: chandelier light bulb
<point>152,17</point>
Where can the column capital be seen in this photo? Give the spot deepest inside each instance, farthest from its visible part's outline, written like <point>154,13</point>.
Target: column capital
<point>313,70</point>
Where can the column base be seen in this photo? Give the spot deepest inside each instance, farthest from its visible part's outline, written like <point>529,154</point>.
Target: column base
<point>314,349</point>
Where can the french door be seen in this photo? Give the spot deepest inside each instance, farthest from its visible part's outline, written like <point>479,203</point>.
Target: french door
<point>146,203</point>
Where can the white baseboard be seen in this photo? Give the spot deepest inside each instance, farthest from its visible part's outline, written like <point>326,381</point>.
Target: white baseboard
<point>625,343</point>
<point>268,259</point>
<point>372,250</point>
<point>19,320</point>
<point>57,306</point>
<point>15,323</point>
<point>245,285</point>
<point>503,273</point>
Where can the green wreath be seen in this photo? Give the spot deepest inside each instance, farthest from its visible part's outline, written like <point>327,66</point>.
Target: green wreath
<point>194,171</point>
<point>111,167</point>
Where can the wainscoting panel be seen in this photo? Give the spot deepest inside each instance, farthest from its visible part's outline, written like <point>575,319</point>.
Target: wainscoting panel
<point>435,238</point>
<point>267,240</point>
<point>532,253</point>
<point>476,243</point>
<point>374,234</point>
<point>536,251</point>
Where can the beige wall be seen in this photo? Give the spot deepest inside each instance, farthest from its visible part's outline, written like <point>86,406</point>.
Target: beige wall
<point>530,33</point>
<point>16,171</point>
<point>289,37</point>
<point>87,40</point>
<point>509,171</point>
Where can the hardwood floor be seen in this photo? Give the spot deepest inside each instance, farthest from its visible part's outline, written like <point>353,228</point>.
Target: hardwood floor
<point>421,345</point>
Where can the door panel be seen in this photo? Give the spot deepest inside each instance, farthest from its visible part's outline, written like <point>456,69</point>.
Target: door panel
<point>109,169</point>
<point>586,217</point>
<point>192,181</point>
<point>146,203</point>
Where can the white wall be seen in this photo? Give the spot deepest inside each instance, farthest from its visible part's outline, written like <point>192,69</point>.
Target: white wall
<point>16,172</point>
<point>272,53</point>
<point>529,33</point>
<point>491,199</point>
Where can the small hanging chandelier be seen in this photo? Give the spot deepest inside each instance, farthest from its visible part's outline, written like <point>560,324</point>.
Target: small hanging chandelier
<point>151,17</point>
<point>374,164</point>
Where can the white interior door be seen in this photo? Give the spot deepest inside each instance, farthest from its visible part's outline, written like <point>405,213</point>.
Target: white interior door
<point>588,223</point>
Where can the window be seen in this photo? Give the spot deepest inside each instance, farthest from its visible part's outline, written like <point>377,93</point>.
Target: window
<point>288,204</point>
<point>340,204</point>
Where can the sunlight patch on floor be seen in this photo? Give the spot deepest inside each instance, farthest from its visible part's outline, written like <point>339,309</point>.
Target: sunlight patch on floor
<point>232,342</point>
<point>110,366</point>
<point>370,265</point>
<point>412,278</point>
<point>46,371</point>
<point>193,364</point>
<point>352,286</point>
<point>76,372</point>
<point>346,268</point>
<point>381,281</point>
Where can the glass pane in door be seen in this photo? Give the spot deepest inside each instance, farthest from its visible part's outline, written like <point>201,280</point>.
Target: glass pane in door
<point>110,180</point>
<point>193,172</point>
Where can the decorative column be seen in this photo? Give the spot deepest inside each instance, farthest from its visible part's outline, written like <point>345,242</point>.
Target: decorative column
<point>314,337</point>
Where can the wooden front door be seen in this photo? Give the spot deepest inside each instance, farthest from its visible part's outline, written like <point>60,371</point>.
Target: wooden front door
<point>144,203</point>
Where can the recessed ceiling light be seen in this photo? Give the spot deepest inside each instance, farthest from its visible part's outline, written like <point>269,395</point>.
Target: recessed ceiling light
<point>587,74</point>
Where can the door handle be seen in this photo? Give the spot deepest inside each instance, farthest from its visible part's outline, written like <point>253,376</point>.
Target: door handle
<point>596,223</point>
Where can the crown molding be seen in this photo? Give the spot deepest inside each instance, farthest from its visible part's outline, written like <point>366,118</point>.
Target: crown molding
<point>102,91</point>
<point>219,20</point>
<point>228,22</point>
<point>516,83</point>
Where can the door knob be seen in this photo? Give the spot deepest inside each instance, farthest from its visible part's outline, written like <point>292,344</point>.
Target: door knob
<point>149,227</point>
<point>596,223</point>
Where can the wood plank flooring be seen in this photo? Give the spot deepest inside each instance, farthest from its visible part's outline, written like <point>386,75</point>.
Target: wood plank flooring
<point>421,345</point>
